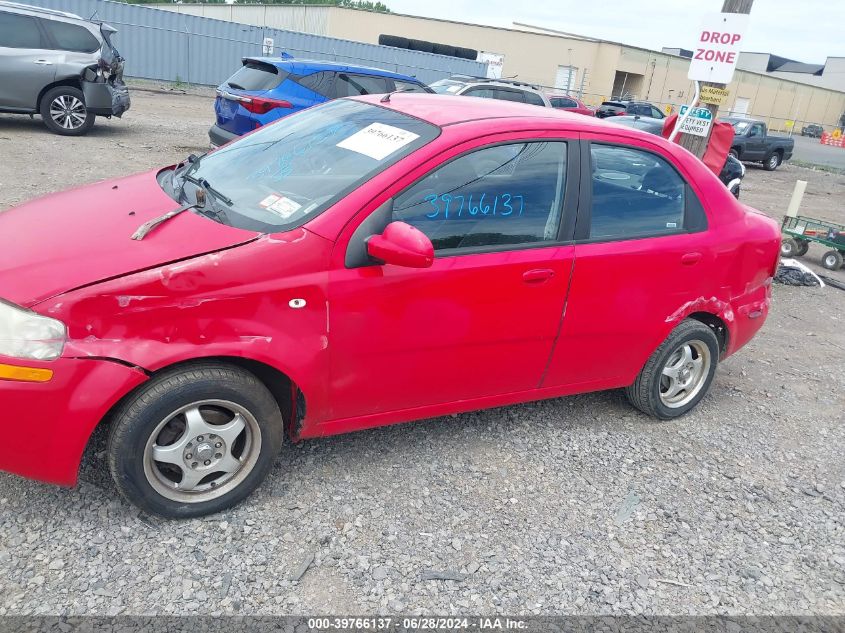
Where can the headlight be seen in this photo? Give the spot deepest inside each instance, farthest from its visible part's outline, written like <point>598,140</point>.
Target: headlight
<point>25,334</point>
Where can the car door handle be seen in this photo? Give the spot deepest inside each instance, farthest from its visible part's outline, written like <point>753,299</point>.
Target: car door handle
<point>537,275</point>
<point>690,259</point>
<point>43,62</point>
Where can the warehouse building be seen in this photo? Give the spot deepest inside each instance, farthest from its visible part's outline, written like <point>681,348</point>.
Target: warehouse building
<point>592,68</point>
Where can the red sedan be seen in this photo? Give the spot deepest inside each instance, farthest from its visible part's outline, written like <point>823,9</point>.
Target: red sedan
<point>361,263</point>
<point>571,104</point>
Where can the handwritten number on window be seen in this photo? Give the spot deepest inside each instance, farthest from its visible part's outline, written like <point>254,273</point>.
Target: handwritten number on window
<point>504,205</point>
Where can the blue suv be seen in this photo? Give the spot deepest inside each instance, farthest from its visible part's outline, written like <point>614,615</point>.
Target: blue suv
<point>265,89</point>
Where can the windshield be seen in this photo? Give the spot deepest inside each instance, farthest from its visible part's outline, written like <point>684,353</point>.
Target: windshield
<point>446,86</point>
<point>287,173</point>
<point>741,126</point>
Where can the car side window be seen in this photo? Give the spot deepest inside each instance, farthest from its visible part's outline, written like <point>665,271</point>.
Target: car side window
<point>349,85</point>
<point>500,196</point>
<point>533,98</point>
<point>756,130</point>
<point>70,37</point>
<point>320,82</point>
<point>563,102</point>
<point>19,31</point>
<point>655,113</point>
<point>634,194</point>
<point>407,86</point>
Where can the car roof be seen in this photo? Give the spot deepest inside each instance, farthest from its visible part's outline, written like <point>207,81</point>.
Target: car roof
<point>309,66</point>
<point>739,118</point>
<point>444,110</point>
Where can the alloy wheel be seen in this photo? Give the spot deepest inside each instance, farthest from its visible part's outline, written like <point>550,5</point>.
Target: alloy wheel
<point>68,112</point>
<point>684,374</point>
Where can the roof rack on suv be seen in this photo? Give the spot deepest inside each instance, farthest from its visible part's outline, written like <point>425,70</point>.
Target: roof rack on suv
<point>29,7</point>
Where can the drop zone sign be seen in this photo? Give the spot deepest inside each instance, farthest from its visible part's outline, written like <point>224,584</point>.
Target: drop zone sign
<point>698,122</point>
<point>717,47</point>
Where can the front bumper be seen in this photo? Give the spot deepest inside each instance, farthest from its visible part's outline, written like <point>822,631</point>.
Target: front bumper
<point>219,136</point>
<point>106,98</point>
<point>46,425</point>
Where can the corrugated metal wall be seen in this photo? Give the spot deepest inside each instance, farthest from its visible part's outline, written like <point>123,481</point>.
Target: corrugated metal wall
<point>170,46</point>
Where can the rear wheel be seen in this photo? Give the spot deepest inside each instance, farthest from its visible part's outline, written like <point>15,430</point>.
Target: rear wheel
<point>194,441</point>
<point>679,372</point>
<point>789,248</point>
<point>832,260</point>
<point>64,112</point>
<point>803,247</point>
<point>734,153</point>
<point>772,162</point>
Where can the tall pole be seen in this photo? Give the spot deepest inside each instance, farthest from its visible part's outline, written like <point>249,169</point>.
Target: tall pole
<point>698,144</point>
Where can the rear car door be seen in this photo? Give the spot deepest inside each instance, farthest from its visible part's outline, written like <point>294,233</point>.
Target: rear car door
<point>26,66</point>
<point>641,254</point>
<point>482,319</point>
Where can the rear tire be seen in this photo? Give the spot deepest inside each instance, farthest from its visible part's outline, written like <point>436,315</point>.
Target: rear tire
<point>832,260</point>
<point>64,112</point>
<point>803,247</point>
<point>772,162</point>
<point>734,153</point>
<point>679,372</point>
<point>194,441</point>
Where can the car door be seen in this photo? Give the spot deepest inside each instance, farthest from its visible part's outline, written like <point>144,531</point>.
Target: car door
<point>641,254</point>
<point>482,319</point>
<point>755,146</point>
<point>26,66</point>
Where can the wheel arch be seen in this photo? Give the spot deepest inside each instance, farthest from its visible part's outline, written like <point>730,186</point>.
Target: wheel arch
<point>73,82</point>
<point>715,323</point>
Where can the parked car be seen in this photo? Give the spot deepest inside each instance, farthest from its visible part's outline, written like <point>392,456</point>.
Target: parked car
<point>501,89</point>
<point>570,104</point>
<point>60,66</point>
<point>265,89</point>
<point>630,108</point>
<point>813,130</point>
<point>732,173</point>
<point>361,263</point>
<point>752,143</point>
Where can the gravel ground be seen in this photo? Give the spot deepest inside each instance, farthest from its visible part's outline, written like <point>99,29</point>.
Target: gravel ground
<point>574,505</point>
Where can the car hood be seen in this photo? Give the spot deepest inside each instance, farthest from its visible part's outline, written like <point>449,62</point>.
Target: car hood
<point>76,238</point>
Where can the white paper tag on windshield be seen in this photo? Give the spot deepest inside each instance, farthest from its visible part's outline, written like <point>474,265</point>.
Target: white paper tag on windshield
<point>268,200</point>
<point>284,207</point>
<point>378,140</point>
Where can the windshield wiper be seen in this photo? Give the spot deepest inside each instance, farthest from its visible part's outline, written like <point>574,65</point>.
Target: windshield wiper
<point>210,192</point>
<point>235,86</point>
<point>144,230</point>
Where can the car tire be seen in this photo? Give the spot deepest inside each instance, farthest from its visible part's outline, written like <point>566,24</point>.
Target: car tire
<point>832,260</point>
<point>789,248</point>
<point>772,162</point>
<point>734,153</point>
<point>216,430</point>
<point>64,112</point>
<point>803,247</point>
<point>679,372</point>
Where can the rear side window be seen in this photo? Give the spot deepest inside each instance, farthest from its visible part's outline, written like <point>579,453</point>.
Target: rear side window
<point>504,195</point>
<point>71,37</point>
<point>322,83</point>
<point>563,102</point>
<point>407,86</point>
<point>353,85</point>
<point>533,98</point>
<point>19,31</point>
<point>256,76</point>
<point>634,194</point>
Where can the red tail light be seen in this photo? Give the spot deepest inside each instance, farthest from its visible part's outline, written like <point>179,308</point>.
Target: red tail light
<point>260,105</point>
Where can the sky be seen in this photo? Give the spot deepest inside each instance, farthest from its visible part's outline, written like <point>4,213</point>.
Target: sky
<point>805,30</point>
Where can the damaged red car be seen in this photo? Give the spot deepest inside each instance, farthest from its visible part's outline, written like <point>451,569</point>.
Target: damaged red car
<point>364,262</point>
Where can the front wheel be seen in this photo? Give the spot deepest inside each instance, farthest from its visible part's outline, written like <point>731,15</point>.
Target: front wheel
<point>832,260</point>
<point>803,247</point>
<point>772,162</point>
<point>64,112</point>
<point>679,372</point>
<point>789,248</point>
<point>734,153</point>
<point>194,441</point>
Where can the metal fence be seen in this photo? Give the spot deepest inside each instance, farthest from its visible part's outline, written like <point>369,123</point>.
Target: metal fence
<point>176,47</point>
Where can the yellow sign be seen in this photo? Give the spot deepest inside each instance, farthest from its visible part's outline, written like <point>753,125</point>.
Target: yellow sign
<point>667,110</point>
<point>788,124</point>
<point>837,134</point>
<point>715,96</point>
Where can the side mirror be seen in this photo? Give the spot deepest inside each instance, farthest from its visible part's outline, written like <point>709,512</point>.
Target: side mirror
<point>402,245</point>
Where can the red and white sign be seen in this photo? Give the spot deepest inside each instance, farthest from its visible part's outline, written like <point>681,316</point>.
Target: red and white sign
<point>717,47</point>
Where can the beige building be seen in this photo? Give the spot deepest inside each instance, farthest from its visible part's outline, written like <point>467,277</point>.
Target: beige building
<point>595,69</point>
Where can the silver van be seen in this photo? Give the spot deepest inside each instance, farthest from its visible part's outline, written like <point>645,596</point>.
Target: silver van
<point>60,66</point>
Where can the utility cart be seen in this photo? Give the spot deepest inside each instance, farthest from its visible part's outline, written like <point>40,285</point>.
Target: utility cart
<point>798,231</point>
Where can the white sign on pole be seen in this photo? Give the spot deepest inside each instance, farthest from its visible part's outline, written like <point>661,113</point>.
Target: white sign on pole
<point>698,122</point>
<point>267,46</point>
<point>717,47</point>
<point>495,62</point>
